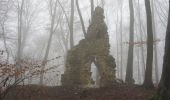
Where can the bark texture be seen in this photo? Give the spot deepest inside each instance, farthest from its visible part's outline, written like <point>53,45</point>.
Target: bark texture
<point>129,71</point>
<point>164,85</point>
<point>148,83</point>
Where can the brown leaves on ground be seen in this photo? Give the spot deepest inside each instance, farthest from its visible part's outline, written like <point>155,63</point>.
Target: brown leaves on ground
<point>118,92</point>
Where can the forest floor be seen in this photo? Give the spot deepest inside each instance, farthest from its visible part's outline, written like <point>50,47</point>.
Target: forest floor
<point>118,92</point>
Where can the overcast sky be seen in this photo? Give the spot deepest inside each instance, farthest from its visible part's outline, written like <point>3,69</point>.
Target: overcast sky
<point>39,33</point>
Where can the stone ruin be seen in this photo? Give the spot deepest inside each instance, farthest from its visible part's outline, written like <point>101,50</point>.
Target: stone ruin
<point>93,49</point>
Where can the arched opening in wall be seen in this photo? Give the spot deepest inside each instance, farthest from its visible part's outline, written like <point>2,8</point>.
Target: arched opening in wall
<point>95,75</point>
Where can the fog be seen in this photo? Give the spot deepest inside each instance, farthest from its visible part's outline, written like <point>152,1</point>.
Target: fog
<point>35,33</point>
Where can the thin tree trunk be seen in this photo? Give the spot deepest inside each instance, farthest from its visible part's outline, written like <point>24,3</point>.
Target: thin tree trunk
<point>155,46</point>
<point>72,24</point>
<point>141,39</point>
<point>92,8</point>
<point>24,36</point>
<point>49,44</point>
<point>138,56</point>
<point>139,73</point>
<point>148,83</point>
<point>117,42</point>
<point>81,18</point>
<point>5,42</point>
<point>63,38</point>
<point>129,71</point>
<point>3,21</point>
<point>20,26</point>
<point>121,43</point>
<point>67,20</point>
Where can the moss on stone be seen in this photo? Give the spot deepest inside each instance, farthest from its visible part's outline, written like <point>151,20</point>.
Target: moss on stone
<point>95,48</point>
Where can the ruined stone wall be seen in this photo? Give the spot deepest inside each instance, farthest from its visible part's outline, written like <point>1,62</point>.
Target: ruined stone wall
<point>94,48</point>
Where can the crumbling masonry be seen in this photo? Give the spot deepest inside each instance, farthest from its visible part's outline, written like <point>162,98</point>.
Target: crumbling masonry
<point>93,49</point>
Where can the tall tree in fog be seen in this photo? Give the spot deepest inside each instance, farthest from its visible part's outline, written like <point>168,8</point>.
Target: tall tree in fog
<point>28,19</point>
<point>4,9</point>
<point>117,42</point>
<point>164,85</point>
<point>121,38</point>
<point>81,18</point>
<point>155,45</point>
<point>148,83</point>
<point>26,16</point>
<point>129,70</point>
<point>72,24</point>
<point>141,38</point>
<point>92,8</point>
<point>20,28</point>
<point>52,10</point>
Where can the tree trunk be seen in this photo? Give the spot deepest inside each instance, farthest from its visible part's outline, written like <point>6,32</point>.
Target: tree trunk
<point>164,85</point>
<point>72,24</point>
<point>81,18</point>
<point>129,71</point>
<point>20,25</point>
<point>5,42</point>
<point>121,42</point>
<point>44,62</point>
<point>148,83</point>
<point>92,8</point>
<point>139,72</point>
<point>117,42</point>
<point>141,39</point>
<point>155,46</point>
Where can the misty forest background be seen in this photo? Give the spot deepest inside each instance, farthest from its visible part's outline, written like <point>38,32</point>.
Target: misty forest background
<point>40,32</point>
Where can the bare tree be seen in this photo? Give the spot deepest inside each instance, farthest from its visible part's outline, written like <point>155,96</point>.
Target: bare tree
<point>4,17</point>
<point>164,85</point>
<point>29,17</point>
<point>81,18</point>
<point>121,39</point>
<point>20,26</point>
<point>72,24</point>
<point>155,45</point>
<point>117,42</point>
<point>52,10</point>
<point>64,36</point>
<point>92,8</point>
<point>129,70</point>
<point>26,17</point>
<point>148,83</point>
<point>69,22</point>
<point>141,39</point>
